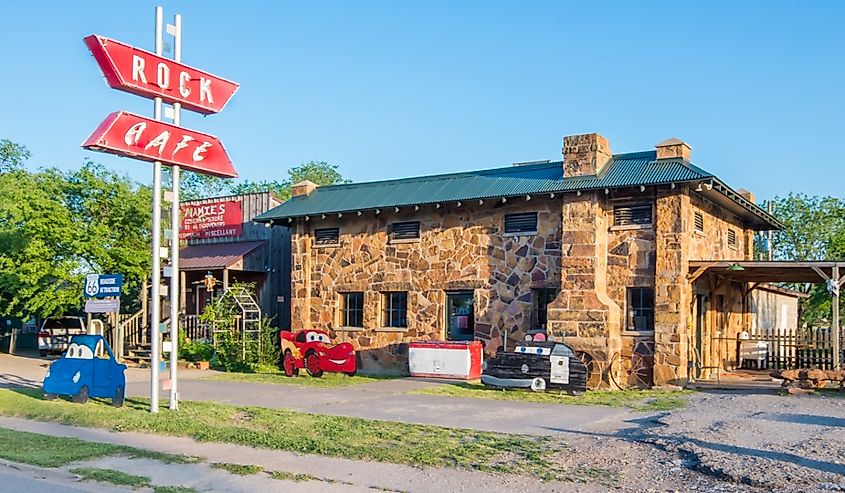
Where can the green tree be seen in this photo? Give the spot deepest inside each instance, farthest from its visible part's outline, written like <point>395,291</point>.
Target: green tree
<point>813,225</point>
<point>194,186</point>
<point>55,227</point>
<point>814,230</point>
<point>39,270</point>
<point>112,218</point>
<point>319,172</point>
<point>12,156</point>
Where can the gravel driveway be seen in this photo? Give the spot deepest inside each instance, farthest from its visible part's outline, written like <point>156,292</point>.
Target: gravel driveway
<point>725,441</point>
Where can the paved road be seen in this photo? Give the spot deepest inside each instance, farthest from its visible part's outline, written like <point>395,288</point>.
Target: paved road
<point>19,478</point>
<point>389,400</point>
<point>383,400</point>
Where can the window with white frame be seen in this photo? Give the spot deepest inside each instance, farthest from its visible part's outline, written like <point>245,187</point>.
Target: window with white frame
<point>394,309</point>
<point>352,314</point>
<point>640,309</point>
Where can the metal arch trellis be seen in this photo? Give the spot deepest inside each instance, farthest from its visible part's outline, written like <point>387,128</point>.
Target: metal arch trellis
<point>250,319</point>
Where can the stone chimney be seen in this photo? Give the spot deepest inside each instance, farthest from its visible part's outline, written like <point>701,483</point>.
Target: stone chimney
<point>584,154</point>
<point>673,148</point>
<point>749,196</point>
<point>303,188</point>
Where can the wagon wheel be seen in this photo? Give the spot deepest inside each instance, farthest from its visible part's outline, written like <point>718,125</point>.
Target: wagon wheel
<point>312,364</point>
<point>640,374</point>
<point>289,364</point>
<point>615,372</point>
<point>82,396</point>
<point>594,369</point>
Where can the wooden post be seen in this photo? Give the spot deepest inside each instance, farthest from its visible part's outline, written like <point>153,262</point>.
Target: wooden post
<point>225,279</point>
<point>712,315</point>
<point>183,296</point>
<point>145,297</point>
<point>835,317</point>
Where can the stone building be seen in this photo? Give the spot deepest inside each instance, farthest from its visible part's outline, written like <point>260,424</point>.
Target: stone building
<point>594,249</point>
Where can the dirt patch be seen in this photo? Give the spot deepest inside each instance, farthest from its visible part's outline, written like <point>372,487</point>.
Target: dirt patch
<point>722,441</point>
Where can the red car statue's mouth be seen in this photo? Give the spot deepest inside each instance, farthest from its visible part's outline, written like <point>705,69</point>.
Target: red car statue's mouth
<point>341,355</point>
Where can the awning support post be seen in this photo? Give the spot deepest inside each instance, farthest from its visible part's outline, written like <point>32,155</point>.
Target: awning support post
<point>835,318</point>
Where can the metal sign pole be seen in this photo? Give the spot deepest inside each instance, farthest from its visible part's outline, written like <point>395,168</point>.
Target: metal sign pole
<point>155,309</point>
<point>174,235</point>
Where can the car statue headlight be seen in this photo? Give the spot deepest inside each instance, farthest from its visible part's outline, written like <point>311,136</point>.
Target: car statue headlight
<point>524,368</point>
<point>48,373</point>
<point>76,376</point>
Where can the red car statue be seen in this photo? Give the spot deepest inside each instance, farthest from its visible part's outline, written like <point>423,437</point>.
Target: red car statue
<point>312,350</point>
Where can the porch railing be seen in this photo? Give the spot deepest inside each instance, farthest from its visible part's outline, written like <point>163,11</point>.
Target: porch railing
<point>195,328</point>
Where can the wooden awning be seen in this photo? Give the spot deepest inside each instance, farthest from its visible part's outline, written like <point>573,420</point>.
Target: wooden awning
<point>216,255</point>
<point>755,272</point>
<point>766,271</point>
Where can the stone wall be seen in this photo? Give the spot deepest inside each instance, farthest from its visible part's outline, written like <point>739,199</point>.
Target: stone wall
<point>577,250</point>
<point>712,244</point>
<point>728,313</point>
<point>460,248</point>
<point>671,293</point>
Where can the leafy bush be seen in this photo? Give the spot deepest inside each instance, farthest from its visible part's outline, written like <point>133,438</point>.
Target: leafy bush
<point>230,354</point>
<point>197,350</point>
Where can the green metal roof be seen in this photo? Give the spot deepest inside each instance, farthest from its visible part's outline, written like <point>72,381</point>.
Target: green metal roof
<point>623,171</point>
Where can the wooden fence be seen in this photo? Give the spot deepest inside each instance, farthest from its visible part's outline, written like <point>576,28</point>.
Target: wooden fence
<point>806,347</point>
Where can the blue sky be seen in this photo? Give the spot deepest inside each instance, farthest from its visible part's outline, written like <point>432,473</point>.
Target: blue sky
<point>391,89</point>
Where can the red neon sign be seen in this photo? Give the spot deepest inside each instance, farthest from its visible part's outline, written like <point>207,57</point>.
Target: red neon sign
<point>130,135</point>
<point>146,74</point>
<point>211,220</point>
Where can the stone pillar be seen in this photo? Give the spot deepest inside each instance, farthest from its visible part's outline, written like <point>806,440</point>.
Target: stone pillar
<point>672,291</point>
<point>300,276</point>
<point>583,313</point>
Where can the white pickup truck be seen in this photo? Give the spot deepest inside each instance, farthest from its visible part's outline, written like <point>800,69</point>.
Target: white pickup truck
<point>56,332</point>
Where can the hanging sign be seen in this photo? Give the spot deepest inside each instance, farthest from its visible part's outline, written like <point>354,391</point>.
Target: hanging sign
<point>103,285</point>
<point>146,74</point>
<point>102,306</point>
<point>211,220</point>
<point>130,135</point>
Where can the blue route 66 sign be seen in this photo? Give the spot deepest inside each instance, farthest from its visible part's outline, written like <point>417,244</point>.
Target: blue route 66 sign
<point>103,285</point>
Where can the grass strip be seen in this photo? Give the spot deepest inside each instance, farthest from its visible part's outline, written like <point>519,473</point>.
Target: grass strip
<point>328,380</point>
<point>280,429</point>
<point>239,469</point>
<point>174,489</point>
<point>56,451</point>
<point>290,476</point>
<point>111,476</point>
<point>638,400</point>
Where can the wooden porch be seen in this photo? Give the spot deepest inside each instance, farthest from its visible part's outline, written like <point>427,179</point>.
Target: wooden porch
<point>720,332</point>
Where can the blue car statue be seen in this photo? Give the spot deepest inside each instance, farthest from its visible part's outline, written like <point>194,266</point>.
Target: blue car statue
<point>86,369</point>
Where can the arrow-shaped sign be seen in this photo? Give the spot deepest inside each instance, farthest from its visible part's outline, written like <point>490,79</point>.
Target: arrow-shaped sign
<point>130,135</point>
<point>146,74</point>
